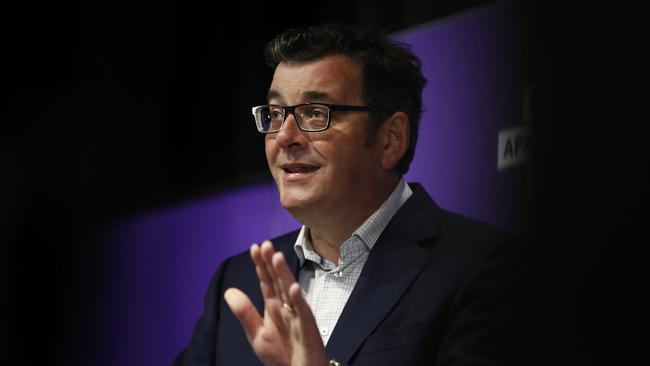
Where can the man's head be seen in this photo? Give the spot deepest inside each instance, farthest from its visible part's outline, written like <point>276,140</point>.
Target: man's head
<point>343,172</point>
<point>391,79</point>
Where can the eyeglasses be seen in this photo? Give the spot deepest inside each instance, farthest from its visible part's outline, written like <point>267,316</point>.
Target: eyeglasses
<point>311,117</point>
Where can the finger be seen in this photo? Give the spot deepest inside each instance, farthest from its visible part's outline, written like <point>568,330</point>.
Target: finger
<point>267,254</point>
<point>274,302</point>
<point>284,277</point>
<point>244,311</point>
<point>306,326</point>
<point>266,283</point>
<point>300,305</point>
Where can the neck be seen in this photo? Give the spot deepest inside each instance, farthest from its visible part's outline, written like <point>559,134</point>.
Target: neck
<point>328,235</point>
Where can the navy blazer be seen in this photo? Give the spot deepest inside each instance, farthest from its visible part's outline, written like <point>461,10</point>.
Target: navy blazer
<point>437,289</point>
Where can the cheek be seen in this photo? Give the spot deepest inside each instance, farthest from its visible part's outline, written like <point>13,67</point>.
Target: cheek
<point>359,163</point>
<point>271,150</point>
<point>343,159</point>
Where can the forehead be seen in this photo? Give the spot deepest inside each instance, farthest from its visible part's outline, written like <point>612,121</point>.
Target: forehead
<point>335,79</point>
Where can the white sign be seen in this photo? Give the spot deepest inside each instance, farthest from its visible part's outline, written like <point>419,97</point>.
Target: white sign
<point>515,146</point>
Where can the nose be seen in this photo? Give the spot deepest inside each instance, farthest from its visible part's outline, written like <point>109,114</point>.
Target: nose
<point>290,136</point>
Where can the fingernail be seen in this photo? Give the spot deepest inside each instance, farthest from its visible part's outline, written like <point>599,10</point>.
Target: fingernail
<point>227,295</point>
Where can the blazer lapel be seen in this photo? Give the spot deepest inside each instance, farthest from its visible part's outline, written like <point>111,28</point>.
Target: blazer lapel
<point>394,262</point>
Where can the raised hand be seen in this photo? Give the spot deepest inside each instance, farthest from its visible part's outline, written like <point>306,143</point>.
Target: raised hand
<point>287,334</point>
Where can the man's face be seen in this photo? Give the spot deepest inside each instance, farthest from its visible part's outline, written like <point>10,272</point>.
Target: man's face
<point>328,172</point>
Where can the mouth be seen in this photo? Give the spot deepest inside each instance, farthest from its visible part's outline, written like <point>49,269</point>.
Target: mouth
<point>296,170</point>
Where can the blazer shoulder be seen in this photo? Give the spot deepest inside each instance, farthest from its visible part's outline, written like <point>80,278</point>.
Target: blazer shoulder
<point>283,243</point>
<point>470,228</point>
<point>471,237</point>
<point>285,240</point>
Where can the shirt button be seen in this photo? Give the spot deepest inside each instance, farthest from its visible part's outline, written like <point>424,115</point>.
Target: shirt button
<point>323,331</point>
<point>338,274</point>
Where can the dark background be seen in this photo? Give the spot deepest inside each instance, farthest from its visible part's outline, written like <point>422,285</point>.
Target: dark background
<point>117,107</point>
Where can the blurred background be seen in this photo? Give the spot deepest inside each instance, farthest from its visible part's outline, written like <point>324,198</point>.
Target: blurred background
<point>123,107</point>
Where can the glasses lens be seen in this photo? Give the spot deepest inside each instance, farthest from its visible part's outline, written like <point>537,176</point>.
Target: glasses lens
<point>312,117</point>
<point>269,118</point>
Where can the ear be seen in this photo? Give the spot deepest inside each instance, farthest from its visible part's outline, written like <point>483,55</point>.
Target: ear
<point>395,136</point>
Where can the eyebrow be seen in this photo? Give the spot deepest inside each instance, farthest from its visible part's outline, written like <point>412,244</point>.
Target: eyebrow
<point>309,96</point>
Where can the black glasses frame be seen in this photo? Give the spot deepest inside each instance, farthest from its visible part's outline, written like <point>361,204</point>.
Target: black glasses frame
<point>289,109</point>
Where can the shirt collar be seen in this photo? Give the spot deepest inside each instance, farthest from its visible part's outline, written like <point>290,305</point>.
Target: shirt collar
<point>368,232</point>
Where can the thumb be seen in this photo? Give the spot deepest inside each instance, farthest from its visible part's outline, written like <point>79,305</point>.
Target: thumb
<point>244,311</point>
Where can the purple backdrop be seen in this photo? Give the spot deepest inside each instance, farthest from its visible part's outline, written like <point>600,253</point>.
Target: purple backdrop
<point>158,264</point>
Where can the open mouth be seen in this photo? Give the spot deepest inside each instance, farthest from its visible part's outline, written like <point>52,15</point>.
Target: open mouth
<point>293,168</point>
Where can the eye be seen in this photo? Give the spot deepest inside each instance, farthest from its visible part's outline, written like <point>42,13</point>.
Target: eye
<point>276,114</point>
<point>318,113</point>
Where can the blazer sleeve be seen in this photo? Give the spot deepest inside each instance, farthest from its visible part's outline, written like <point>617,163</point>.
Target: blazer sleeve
<point>491,319</point>
<point>202,347</point>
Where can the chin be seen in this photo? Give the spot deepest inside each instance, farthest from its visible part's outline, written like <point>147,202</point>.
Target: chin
<point>291,203</point>
<point>296,203</point>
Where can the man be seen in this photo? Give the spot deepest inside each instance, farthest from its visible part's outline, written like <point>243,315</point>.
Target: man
<point>378,274</point>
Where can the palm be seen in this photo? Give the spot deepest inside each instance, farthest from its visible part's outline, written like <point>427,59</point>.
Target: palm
<point>281,337</point>
<point>269,345</point>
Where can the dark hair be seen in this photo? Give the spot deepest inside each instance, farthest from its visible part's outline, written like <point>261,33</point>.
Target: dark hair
<point>391,74</point>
